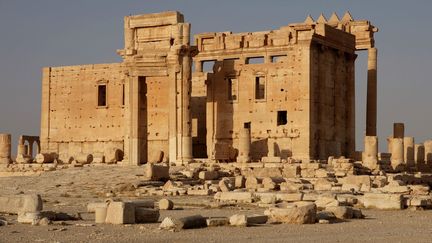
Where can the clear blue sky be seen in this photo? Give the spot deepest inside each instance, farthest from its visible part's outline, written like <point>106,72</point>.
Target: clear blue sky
<point>41,33</point>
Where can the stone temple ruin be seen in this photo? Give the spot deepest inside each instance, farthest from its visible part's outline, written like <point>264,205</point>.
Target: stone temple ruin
<point>269,96</point>
<point>263,116</point>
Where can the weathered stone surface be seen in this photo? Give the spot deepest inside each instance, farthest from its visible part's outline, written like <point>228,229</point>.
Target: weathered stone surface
<point>143,203</point>
<point>240,182</point>
<point>101,214</point>
<point>291,187</point>
<point>220,221</point>
<point>266,197</point>
<point>199,192</point>
<point>120,213</point>
<point>419,189</point>
<point>341,212</point>
<point>382,201</point>
<point>256,219</point>
<point>15,204</point>
<point>289,197</point>
<point>156,172</point>
<point>146,215</point>
<point>326,200</point>
<point>299,213</point>
<point>245,197</point>
<point>166,204</point>
<point>253,182</point>
<point>238,220</point>
<point>356,183</point>
<point>323,184</point>
<point>325,215</point>
<point>29,217</point>
<point>208,175</point>
<point>227,184</point>
<point>190,222</point>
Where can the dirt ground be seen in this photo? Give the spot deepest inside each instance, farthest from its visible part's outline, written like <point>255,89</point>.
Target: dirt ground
<point>71,189</point>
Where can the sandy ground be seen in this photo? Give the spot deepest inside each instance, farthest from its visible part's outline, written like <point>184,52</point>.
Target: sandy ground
<point>70,190</point>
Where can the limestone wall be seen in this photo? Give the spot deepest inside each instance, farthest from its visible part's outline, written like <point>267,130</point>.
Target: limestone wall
<point>307,77</point>
<point>73,119</point>
<point>333,107</point>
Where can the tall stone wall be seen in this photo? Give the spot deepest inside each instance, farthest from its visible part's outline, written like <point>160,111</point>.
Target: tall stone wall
<point>157,59</point>
<point>73,118</point>
<point>333,107</point>
<point>307,73</point>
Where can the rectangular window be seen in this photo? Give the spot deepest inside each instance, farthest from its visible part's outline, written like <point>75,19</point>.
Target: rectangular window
<point>254,60</point>
<point>247,125</point>
<point>282,118</point>
<point>102,95</point>
<point>232,89</point>
<point>207,66</point>
<point>259,88</point>
<point>278,58</point>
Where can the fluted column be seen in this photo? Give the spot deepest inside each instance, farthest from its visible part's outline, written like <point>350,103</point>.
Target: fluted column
<point>371,103</point>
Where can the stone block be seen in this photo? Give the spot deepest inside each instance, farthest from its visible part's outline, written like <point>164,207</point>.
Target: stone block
<point>256,219</point>
<point>227,184</point>
<point>341,212</point>
<point>291,187</point>
<point>419,189</point>
<point>238,220</point>
<point>166,204</point>
<point>100,214</point>
<point>208,175</point>
<point>253,182</point>
<point>298,213</point>
<point>325,215</point>
<point>243,220</point>
<point>190,222</point>
<point>291,171</point>
<point>153,172</point>
<point>356,183</point>
<point>266,197</point>
<point>240,182</point>
<point>146,215</point>
<point>29,217</point>
<point>120,213</point>
<point>323,184</point>
<point>382,201</point>
<point>199,192</point>
<point>326,200</point>
<point>15,204</point>
<point>289,197</point>
<point>244,197</point>
<point>219,221</point>
<point>395,189</point>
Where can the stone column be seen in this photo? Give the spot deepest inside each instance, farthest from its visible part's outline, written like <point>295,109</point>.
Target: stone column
<point>370,155</point>
<point>244,146</point>
<point>409,152</point>
<point>128,37</point>
<point>397,155</point>
<point>419,156</point>
<point>186,120</point>
<point>371,103</point>
<point>428,153</point>
<point>5,148</point>
<point>271,147</point>
<point>398,130</point>
<point>389,148</point>
<point>135,140</point>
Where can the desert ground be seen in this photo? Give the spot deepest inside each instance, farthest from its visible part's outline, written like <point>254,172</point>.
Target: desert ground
<point>70,190</point>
